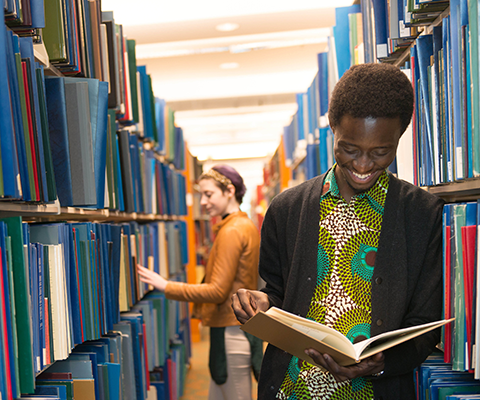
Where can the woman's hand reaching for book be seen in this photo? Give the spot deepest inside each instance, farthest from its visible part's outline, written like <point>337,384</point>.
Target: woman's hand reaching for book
<point>246,303</point>
<point>151,278</point>
<point>369,366</point>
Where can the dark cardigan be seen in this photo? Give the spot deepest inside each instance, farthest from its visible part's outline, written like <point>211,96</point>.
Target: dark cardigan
<point>406,284</point>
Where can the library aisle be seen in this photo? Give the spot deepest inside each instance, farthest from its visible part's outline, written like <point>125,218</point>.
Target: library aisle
<point>198,377</point>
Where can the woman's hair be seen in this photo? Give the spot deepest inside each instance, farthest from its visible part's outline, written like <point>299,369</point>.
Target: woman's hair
<point>376,90</point>
<point>224,175</point>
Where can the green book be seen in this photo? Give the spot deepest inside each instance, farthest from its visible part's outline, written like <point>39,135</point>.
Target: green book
<point>67,383</point>
<point>54,32</point>
<point>22,305</point>
<point>87,302</point>
<point>47,153</point>
<point>132,71</point>
<point>114,165</point>
<point>8,246</point>
<point>109,167</point>
<point>474,74</point>
<point>152,107</point>
<point>26,133</point>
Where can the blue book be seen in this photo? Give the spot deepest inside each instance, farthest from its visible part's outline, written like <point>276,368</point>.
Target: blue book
<point>136,321</point>
<point>59,391</point>
<point>448,99</point>
<point>128,363</point>
<point>98,103</point>
<point>455,36</point>
<point>342,35</point>
<point>59,142</point>
<point>437,47</point>
<point>116,231</point>
<point>146,103</point>
<point>121,201</point>
<point>136,174</point>
<point>323,82</point>
<point>424,48</point>
<point>381,28</point>
<point>17,117</point>
<point>9,161</point>
<point>38,14</point>
<point>160,120</point>
<point>299,114</point>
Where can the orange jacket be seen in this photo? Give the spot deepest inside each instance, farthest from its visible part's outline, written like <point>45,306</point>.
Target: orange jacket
<point>232,264</point>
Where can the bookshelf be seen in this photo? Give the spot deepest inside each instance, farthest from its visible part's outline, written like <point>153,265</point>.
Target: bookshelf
<point>70,298</point>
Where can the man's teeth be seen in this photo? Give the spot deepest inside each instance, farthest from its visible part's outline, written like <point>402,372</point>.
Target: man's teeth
<point>361,176</point>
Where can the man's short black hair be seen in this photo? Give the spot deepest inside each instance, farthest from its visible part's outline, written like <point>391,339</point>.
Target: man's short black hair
<point>372,90</point>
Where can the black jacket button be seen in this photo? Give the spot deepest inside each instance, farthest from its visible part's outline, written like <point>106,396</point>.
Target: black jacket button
<point>378,281</point>
<point>379,322</point>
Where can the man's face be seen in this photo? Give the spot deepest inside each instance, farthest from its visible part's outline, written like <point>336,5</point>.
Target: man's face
<point>363,149</point>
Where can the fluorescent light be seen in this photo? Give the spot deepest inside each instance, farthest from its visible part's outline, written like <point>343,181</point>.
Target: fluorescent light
<point>235,44</point>
<point>227,27</point>
<point>229,65</point>
<point>154,11</point>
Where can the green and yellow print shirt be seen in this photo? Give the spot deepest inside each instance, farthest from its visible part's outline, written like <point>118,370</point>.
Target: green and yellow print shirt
<point>347,248</point>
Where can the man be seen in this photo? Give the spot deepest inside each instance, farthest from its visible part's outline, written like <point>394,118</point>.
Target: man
<point>356,249</point>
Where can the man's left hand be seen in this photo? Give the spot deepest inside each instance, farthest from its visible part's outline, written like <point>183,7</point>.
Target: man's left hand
<point>367,367</point>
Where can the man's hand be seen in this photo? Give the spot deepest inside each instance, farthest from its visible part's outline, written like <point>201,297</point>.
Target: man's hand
<point>151,278</point>
<point>367,367</point>
<point>246,303</point>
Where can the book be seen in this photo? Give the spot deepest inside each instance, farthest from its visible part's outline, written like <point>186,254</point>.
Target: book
<point>294,334</point>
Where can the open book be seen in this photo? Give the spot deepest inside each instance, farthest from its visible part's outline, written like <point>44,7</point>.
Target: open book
<point>294,334</point>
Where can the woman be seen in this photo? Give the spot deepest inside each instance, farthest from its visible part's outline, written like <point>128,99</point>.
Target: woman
<point>232,264</point>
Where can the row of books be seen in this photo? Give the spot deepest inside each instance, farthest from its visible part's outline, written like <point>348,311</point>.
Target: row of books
<point>125,361</point>
<point>64,284</point>
<point>461,282</point>
<point>445,70</point>
<point>436,380</point>
<point>59,130</point>
<point>394,24</point>
<point>308,139</point>
<point>82,40</point>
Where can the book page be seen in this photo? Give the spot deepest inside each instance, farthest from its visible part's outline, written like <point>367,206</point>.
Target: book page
<point>316,330</point>
<point>376,344</point>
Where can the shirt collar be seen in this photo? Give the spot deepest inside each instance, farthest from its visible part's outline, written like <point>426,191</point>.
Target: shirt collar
<point>330,186</point>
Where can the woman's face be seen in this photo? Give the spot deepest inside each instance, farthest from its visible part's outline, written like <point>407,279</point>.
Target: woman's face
<point>213,199</point>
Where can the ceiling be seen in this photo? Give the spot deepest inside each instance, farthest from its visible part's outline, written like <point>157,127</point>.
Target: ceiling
<point>233,91</point>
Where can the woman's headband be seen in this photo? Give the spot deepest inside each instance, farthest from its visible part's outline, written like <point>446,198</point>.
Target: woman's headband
<point>217,176</point>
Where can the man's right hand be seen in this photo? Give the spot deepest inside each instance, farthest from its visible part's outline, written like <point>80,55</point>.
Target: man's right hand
<point>246,303</point>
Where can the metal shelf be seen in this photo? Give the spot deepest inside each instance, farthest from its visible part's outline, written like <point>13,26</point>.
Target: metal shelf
<point>465,190</point>
<point>29,209</point>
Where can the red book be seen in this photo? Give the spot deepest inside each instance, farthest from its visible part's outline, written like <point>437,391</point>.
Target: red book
<point>146,355</point>
<point>468,243</point>
<point>36,195</point>
<point>55,376</point>
<point>7,354</point>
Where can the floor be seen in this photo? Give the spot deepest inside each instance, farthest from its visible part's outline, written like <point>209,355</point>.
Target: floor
<point>198,376</point>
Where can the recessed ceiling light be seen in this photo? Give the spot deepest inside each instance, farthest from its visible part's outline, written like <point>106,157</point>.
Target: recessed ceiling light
<point>230,65</point>
<point>227,27</point>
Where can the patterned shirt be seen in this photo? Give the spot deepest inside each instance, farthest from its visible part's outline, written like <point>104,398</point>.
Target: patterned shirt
<point>347,248</point>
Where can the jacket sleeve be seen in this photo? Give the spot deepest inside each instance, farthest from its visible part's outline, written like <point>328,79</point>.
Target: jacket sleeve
<point>229,246</point>
<point>425,305</point>
<point>270,267</point>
